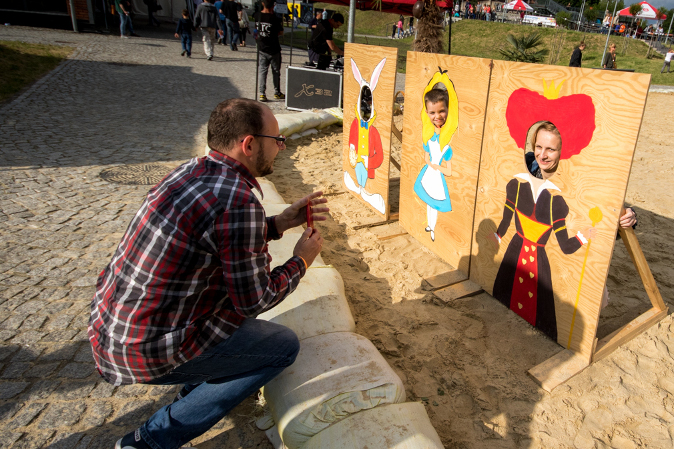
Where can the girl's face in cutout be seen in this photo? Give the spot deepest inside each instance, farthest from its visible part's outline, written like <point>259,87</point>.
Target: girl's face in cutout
<point>437,112</point>
<point>547,151</point>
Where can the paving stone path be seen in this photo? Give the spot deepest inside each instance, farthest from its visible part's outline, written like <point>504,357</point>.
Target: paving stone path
<point>113,102</point>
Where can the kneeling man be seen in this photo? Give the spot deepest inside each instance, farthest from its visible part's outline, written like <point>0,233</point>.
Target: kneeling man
<point>177,303</point>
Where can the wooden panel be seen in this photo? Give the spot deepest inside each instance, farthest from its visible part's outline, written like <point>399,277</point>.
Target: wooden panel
<point>595,177</point>
<point>470,79</point>
<point>457,291</point>
<point>446,279</point>
<point>558,369</point>
<point>623,335</point>
<point>639,260</point>
<point>376,139</point>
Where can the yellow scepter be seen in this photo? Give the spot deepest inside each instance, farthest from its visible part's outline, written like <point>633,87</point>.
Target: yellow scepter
<point>595,216</point>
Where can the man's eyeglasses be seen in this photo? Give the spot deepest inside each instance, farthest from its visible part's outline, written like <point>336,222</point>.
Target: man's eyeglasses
<point>280,140</point>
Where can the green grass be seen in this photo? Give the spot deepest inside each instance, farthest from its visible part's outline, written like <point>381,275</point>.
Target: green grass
<point>484,39</point>
<point>367,22</point>
<point>404,45</point>
<point>22,64</point>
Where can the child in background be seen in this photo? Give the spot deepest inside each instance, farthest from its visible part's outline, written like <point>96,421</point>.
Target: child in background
<point>431,186</point>
<point>184,32</point>
<point>400,29</point>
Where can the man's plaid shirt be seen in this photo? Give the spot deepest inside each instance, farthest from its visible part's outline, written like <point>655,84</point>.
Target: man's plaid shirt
<point>191,267</point>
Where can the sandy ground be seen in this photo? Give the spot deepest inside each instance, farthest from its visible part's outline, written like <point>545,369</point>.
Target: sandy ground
<point>467,360</point>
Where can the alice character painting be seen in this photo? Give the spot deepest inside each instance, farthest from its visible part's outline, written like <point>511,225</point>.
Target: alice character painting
<point>440,119</point>
<point>365,149</point>
<point>524,279</point>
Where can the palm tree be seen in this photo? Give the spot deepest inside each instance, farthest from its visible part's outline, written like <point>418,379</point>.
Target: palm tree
<point>524,48</point>
<point>429,29</point>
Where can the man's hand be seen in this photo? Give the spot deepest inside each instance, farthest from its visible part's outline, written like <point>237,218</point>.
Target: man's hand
<point>296,214</point>
<point>309,245</point>
<point>176,35</point>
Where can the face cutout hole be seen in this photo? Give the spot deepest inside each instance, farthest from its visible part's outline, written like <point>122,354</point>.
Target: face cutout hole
<point>365,103</point>
<point>542,160</point>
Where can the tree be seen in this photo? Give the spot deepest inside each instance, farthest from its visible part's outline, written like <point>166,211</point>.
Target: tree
<point>563,18</point>
<point>524,48</point>
<point>429,29</point>
<point>591,14</point>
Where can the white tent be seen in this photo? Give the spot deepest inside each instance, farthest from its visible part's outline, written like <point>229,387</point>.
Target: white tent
<point>517,5</point>
<point>647,12</point>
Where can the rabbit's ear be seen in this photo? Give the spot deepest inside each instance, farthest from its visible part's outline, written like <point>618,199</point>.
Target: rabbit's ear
<point>356,72</point>
<point>376,73</point>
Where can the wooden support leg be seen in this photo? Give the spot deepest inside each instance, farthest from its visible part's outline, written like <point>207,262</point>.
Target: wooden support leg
<point>566,364</point>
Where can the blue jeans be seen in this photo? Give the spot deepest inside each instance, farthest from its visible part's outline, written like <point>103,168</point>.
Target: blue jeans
<point>125,20</point>
<point>233,31</point>
<point>186,42</point>
<point>218,380</point>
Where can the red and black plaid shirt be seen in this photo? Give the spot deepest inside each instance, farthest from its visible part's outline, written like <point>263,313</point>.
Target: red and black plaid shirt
<point>191,267</point>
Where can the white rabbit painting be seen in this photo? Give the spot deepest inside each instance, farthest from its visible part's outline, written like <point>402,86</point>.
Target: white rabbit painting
<point>365,147</point>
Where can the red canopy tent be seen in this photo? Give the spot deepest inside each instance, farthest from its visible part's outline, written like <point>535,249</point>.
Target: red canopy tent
<point>648,12</point>
<point>518,5</point>
<point>403,7</point>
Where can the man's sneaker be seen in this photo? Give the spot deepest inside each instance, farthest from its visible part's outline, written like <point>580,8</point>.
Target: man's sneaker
<point>263,97</point>
<point>135,35</point>
<point>124,37</point>
<point>183,53</point>
<point>279,96</point>
<point>210,58</point>
<point>132,440</point>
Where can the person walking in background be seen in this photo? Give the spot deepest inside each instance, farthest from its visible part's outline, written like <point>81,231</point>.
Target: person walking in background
<point>395,29</point>
<point>243,24</point>
<point>411,25</point>
<point>609,59</point>
<point>577,55</point>
<point>400,28</point>
<point>325,14</point>
<point>123,8</point>
<point>207,19</point>
<point>219,5</point>
<point>152,7</point>
<point>269,28</point>
<point>668,60</point>
<point>232,19</point>
<point>184,32</point>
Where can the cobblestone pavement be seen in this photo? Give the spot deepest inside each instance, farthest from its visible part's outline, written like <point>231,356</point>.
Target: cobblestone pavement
<point>114,102</point>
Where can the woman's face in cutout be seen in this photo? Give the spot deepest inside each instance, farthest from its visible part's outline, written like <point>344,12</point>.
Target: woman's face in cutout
<point>547,151</point>
<point>437,112</point>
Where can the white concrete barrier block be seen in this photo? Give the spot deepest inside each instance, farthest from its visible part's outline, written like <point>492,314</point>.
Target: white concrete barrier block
<point>391,426</point>
<point>334,376</point>
<point>318,306</point>
<point>271,195</point>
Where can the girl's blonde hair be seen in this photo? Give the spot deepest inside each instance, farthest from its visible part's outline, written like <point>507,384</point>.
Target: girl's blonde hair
<point>549,127</point>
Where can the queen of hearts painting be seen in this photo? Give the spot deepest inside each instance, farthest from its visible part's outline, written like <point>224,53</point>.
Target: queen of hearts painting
<point>557,128</point>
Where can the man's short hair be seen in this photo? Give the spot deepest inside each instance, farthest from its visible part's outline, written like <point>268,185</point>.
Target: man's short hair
<point>186,13</point>
<point>269,4</point>
<point>232,120</point>
<point>338,17</point>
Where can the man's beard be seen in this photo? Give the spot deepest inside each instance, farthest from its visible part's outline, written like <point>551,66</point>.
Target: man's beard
<point>263,166</point>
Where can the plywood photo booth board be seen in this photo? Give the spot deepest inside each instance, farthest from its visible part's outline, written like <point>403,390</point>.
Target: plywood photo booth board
<point>369,89</point>
<point>436,208</point>
<point>544,250</point>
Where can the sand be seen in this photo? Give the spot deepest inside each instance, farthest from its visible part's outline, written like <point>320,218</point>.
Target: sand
<point>467,359</point>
